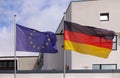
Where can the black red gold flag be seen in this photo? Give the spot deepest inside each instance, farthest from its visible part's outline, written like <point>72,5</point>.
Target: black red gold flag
<point>88,40</point>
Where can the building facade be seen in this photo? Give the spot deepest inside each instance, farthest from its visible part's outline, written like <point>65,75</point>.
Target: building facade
<point>22,63</point>
<point>97,13</point>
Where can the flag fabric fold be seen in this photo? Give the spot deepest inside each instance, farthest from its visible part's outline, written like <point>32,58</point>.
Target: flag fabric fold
<point>88,40</point>
<point>31,40</point>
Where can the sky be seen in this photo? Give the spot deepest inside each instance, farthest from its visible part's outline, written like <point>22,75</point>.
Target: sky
<point>42,15</point>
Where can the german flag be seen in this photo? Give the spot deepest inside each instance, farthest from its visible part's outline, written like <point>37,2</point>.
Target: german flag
<point>88,40</point>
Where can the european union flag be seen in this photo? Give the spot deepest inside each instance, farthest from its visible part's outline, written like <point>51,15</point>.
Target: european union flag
<point>31,40</point>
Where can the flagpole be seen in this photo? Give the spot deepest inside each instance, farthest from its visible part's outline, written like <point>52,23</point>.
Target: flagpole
<point>14,46</point>
<point>64,64</point>
<point>64,53</point>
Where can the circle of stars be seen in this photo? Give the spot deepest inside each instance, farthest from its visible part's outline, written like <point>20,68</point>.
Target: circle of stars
<point>35,46</point>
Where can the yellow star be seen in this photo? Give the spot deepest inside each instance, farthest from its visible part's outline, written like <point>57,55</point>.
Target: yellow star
<point>30,37</point>
<point>31,42</point>
<point>48,39</point>
<point>43,46</point>
<point>34,30</point>
<point>31,33</point>
<point>47,35</point>
<point>47,43</point>
<point>34,46</point>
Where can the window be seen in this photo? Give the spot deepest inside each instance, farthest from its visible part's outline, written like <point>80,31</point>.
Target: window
<point>7,64</point>
<point>104,16</point>
<point>114,47</point>
<point>104,66</point>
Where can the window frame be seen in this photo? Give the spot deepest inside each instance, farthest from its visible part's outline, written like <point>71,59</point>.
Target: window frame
<point>7,64</point>
<point>104,14</point>
<point>101,66</point>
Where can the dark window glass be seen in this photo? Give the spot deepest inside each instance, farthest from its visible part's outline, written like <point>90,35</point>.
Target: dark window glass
<point>7,64</point>
<point>104,16</point>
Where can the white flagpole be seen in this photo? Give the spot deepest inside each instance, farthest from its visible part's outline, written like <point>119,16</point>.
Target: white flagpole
<point>64,64</point>
<point>64,74</point>
<point>14,46</point>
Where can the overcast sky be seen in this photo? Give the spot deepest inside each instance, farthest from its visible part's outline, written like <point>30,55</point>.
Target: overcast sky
<point>43,15</point>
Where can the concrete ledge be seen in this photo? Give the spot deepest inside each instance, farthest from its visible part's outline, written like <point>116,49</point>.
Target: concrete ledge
<point>58,71</point>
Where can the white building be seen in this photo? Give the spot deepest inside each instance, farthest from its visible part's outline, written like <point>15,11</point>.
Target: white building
<point>99,13</point>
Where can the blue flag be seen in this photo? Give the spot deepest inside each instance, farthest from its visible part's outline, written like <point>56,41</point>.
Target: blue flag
<point>31,40</point>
